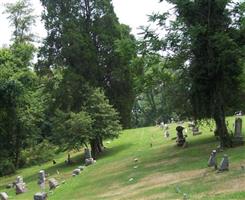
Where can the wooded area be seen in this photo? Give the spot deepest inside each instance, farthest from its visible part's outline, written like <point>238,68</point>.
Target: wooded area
<point>93,77</point>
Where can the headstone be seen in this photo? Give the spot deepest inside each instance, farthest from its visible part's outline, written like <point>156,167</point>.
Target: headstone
<point>41,179</point>
<point>238,127</point>
<point>195,131</point>
<point>87,153</point>
<point>20,188</point>
<point>81,167</point>
<point>212,162</point>
<point>53,183</point>
<point>166,134</point>
<point>131,179</point>
<point>4,196</point>
<point>40,196</point>
<point>89,161</point>
<point>191,124</point>
<point>76,172</point>
<point>224,164</point>
<point>162,125</point>
<point>238,138</point>
<point>180,136</point>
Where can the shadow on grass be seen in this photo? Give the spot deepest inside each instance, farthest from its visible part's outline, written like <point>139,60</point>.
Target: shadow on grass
<point>110,152</point>
<point>77,160</point>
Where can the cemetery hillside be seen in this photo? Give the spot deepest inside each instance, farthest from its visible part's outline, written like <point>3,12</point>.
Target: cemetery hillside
<point>93,110</point>
<point>143,164</point>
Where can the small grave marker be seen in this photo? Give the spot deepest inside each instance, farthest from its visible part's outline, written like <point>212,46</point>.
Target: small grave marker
<point>224,164</point>
<point>40,196</point>
<point>53,183</point>
<point>4,196</point>
<point>212,162</point>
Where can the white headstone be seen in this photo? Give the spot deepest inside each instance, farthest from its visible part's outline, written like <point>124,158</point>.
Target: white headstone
<point>76,172</point>
<point>4,196</point>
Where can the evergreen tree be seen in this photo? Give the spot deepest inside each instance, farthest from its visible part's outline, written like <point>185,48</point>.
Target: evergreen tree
<point>86,37</point>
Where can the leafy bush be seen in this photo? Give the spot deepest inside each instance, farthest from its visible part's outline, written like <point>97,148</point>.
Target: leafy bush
<point>38,154</point>
<point>6,167</point>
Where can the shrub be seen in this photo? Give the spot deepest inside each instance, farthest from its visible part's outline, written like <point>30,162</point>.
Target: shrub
<point>38,154</point>
<point>6,167</point>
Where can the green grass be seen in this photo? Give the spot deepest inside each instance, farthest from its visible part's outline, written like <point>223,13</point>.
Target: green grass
<point>164,170</point>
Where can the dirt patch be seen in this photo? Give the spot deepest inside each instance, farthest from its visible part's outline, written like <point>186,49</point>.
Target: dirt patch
<point>150,182</point>
<point>164,162</point>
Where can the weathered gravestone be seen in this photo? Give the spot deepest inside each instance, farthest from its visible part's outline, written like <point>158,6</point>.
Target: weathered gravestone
<point>224,164</point>
<point>76,172</point>
<point>53,183</point>
<point>195,131</point>
<point>3,196</point>
<point>212,162</point>
<point>20,188</point>
<point>180,136</point>
<point>89,161</point>
<point>238,138</point>
<point>41,179</point>
<point>40,196</point>
<point>166,134</point>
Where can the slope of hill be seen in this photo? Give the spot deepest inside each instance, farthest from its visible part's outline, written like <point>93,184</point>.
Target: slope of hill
<point>163,170</point>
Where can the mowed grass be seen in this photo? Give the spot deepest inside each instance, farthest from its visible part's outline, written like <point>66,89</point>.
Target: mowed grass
<point>163,170</point>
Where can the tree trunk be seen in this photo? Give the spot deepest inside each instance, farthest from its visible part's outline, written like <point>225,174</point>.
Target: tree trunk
<point>101,144</point>
<point>221,129</point>
<point>94,148</point>
<point>69,159</point>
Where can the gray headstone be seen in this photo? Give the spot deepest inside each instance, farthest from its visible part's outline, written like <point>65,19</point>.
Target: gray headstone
<point>224,164</point>
<point>89,161</point>
<point>212,162</point>
<point>4,196</point>
<point>238,127</point>
<point>53,183</point>
<point>87,154</point>
<point>20,188</point>
<point>76,172</point>
<point>238,138</point>
<point>195,131</point>
<point>166,134</point>
<point>40,196</point>
<point>41,179</point>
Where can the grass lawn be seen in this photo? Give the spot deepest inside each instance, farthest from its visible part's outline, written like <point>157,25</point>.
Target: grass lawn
<point>163,170</point>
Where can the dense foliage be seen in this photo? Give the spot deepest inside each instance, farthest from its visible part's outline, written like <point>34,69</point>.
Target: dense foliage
<point>205,43</point>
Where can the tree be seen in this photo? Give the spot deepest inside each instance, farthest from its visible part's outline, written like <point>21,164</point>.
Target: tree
<point>204,41</point>
<point>86,37</point>
<point>21,18</point>
<point>21,107</point>
<point>71,130</point>
<point>105,121</point>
